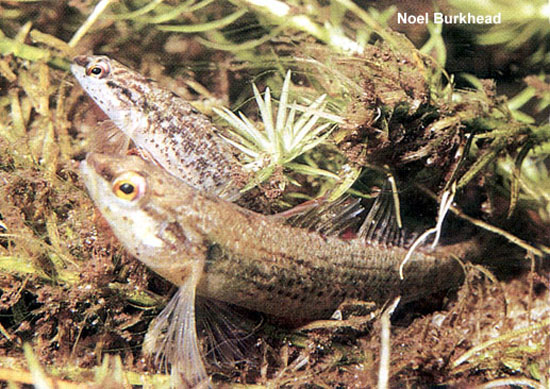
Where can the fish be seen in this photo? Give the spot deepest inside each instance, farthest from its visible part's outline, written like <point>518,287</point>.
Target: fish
<point>210,247</point>
<point>165,127</point>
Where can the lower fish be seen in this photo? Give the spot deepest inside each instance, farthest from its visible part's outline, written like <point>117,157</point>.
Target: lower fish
<point>210,247</point>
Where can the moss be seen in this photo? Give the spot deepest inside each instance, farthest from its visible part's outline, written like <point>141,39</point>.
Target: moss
<point>70,291</point>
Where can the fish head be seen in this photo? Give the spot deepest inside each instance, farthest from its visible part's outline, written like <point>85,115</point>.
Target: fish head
<point>140,202</point>
<point>117,90</point>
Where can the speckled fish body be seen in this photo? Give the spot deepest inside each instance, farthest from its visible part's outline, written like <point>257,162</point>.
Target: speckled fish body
<point>169,129</point>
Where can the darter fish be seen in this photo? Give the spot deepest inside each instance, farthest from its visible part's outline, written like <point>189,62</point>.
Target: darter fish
<point>165,127</point>
<point>210,247</point>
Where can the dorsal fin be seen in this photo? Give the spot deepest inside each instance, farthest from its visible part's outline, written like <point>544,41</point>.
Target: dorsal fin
<point>333,218</point>
<point>380,224</point>
<point>329,218</point>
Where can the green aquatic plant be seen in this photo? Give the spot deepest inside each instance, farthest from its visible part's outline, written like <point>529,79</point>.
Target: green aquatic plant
<point>372,104</point>
<point>522,22</point>
<point>277,143</point>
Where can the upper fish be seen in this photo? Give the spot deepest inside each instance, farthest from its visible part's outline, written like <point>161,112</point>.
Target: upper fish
<point>165,127</point>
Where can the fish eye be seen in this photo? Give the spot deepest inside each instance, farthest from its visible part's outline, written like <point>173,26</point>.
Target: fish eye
<point>129,186</point>
<point>98,69</point>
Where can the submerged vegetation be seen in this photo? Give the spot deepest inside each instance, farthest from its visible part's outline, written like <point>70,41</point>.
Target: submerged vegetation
<point>356,109</point>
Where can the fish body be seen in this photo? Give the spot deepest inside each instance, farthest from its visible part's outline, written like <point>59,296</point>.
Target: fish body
<point>169,129</point>
<point>216,249</point>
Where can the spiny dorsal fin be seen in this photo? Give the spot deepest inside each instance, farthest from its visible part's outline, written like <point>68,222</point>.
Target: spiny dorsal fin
<point>334,218</point>
<point>329,218</point>
<point>380,224</point>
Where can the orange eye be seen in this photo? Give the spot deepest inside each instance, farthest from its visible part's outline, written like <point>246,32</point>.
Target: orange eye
<point>99,70</point>
<point>129,186</point>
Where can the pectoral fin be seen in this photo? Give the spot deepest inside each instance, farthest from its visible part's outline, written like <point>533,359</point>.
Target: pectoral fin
<point>108,139</point>
<point>172,339</point>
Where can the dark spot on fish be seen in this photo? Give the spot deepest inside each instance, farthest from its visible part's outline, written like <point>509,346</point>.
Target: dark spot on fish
<point>177,231</point>
<point>185,272</point>
<point>213,254</point>
<point>125,91</point>
<point>145,106</point>
<point>105,172</point>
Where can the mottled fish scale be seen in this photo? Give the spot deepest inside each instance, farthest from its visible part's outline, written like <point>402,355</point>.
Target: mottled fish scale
<point>302,275</point>
<point>170,130</point>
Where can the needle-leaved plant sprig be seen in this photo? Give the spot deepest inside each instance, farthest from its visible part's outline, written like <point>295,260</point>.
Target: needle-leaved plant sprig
<point>278,140</point>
